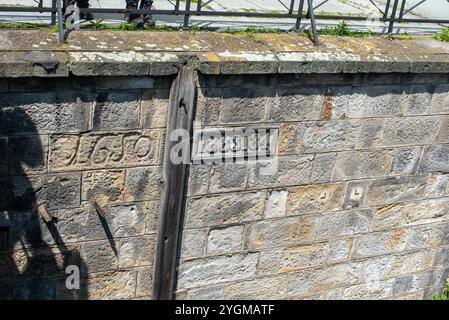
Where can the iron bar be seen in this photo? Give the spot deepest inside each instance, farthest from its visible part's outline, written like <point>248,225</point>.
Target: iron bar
<point>401,12</point>
<point>313,23</point>
<point>414,6</point>
<point>187,15</point>
<point>53,12</point>
<point>298,20</point>
<point>393,16</point>
<point>292,6</point>
<point>60,22</point>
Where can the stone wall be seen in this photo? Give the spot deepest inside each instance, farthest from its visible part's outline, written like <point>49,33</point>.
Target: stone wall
<point>67,141</point>
<point>358,209</point>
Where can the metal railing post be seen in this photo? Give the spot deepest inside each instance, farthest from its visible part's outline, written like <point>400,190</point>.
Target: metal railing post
<point>300,9</point>
<point>187,15</point>
<point>60,22</point>
<point>316,41</point>
<point>53,12</point>
<point>393,16</point>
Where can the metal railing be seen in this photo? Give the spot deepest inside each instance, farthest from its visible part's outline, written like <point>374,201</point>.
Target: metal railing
<point>393,12</point>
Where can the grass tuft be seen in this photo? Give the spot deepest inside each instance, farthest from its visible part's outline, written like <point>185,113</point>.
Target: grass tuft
<point>443,35</point>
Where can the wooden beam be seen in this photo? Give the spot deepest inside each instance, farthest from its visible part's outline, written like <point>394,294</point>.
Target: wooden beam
<point>180,116</point>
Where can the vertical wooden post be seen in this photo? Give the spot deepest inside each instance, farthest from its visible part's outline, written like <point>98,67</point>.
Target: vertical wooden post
<point>180,116</point>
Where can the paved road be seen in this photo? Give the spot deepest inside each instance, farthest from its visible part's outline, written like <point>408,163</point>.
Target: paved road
<point>431,9</point>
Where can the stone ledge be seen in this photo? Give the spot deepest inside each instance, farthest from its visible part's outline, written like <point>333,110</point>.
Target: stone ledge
<point>158,54</point>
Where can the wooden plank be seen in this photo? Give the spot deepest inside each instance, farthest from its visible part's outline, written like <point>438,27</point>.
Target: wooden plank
<point>180,116</point>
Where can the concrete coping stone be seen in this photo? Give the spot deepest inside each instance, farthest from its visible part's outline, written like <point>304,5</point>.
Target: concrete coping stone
<point>37,53</point>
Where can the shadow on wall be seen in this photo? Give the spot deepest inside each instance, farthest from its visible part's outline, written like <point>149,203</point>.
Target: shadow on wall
<point>29,267</point>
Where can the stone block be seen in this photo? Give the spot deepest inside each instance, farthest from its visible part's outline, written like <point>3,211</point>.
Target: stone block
<point>193,243</point>
<point>280,171</point>
<point>323,165</point>
<point>315,198</point>
<point>370,133</point>
<point>264,288</point>
<point>281,232</point>
<point>225,240</point>
<point>26,154</point>
<point>269,261</point>
<point>435,158</point>
<point>112,285</point>
<point>152,216</point>
<point>330,136</point>
<point>154,108</point>
<point>215,270</point>
<point>228,177</point>
<point>395,189</point>
<point>417,99</point>
<point>344,223</point>
<point>440,99</point>
<point>410,131</point>
<point>406,160</point>
<point>314,255</point>
<point>323,279</point>
<point>98,256</point>
<point>276,206</point>
<point>375,290</point>
<point>116,111</point>
<point>336,103</point>
<point>410,263</point>
<point>55,112</point>
<point>137,251</point>
<point>208,105</point>
<point>199,177</point>
<point>380,243</point>
<point>363,164</point>
<point>297,104</point>
<point>290,138</point>
<point>237,102</point>
<point>207,293</point>
<point>375,101</point>
<point>428,235</point>
<point>105,187</point>
<point>103,150</point>
<point>224,209</point>
<point>143,184</point>
<point>355,195</point>
<point>144,282</point>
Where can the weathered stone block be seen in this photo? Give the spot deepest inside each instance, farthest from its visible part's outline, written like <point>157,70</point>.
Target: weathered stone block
<point>214,270</point>
<point>315,198</point>
<point>323,279</point>
<point>209,101</point>
<point>224,209</point>
<point>27,154</point>
<point>406,160</point>
<point>410,263</point>
<point>276,206</point>
<point>370,133</point>
<point>144,282</point>
<point>137,251</point>
<point>207,293</point>
<point>297,104</point>
<point>264,288</point>
<point>290,138</point>
<point>237,102</point>
<point>98,256</point>
<point>193,243</point>
<point>374,290</point>
<point>330,136</point>
<point>408,131</point>
<point>355,194</point>
<point>396,189</point>
<point>152,216</point>
<point>336,103</point>
<point>228,177</point>
<point>313,255</point>
<point>143,183</point>
<point>428,235</point>
<point>417,99</point>
<point>440,99</point>
<point>154,108</point>
<point>199,177</point>
<point>105,187</point>
<point>112,285</point>
<point>323,165</point>
<point>363,164</point>
<point>225,240</point>
<point>116,110</point>
<point>375,101</point>
<point>344,223</point>
<point>280,171</point>
<point>55,112</point>
<point>92,151</point>
<point>269,261</point>
<point>435,158</point>
<point>281,232</point>
<point>380,243</point>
